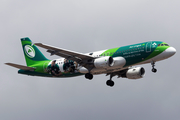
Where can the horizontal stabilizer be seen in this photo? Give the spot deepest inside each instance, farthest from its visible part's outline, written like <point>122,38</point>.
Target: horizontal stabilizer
<point>20,66</point>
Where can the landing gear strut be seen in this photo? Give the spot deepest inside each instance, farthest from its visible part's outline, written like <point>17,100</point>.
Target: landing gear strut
<point>89,76</point>
<point>153,65</point>
<point>110,82</point>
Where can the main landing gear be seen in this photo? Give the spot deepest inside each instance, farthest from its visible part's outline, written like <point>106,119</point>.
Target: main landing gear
<point>110,82</point>
<point>153,65</point>
<point>89,76</point>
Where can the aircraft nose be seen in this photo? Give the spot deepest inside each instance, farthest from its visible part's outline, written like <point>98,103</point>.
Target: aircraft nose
<point>171,51</point>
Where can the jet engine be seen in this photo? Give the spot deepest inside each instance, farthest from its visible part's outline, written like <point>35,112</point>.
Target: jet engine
<point>134,73</point>
<point>104,62</point>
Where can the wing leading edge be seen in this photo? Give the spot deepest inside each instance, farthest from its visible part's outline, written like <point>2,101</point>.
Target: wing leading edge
<point>75,56</point>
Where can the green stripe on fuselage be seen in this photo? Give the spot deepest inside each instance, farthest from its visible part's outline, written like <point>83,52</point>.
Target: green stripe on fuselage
<point>40,66</point>
<point>157,51</point>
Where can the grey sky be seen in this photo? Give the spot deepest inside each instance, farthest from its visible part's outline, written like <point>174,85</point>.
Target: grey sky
<point>85,26</point>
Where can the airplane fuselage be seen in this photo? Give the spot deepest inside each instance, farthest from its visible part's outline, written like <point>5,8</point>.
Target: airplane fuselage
<point>130,55</point>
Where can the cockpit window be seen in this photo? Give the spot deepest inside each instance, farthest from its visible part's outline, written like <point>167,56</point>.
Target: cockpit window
<point>163,45</point>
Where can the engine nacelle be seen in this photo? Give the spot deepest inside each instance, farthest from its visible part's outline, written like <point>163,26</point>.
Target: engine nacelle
<point>83,70</point>
<point>104,62</point>
<point>135,73</point>
<point>119,62</point>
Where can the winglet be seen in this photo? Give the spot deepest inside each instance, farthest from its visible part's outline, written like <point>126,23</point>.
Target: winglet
<point>20,66</point>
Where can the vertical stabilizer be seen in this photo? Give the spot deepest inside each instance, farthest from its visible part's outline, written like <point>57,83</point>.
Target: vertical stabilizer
<point>32,54</point>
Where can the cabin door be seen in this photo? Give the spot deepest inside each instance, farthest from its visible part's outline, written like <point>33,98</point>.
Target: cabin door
<point>148,47</point>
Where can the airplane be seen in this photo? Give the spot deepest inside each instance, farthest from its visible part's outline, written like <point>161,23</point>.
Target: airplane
<point>113,62</point>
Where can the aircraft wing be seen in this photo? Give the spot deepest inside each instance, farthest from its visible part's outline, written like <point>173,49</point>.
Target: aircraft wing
<point>75,56</point>
<point>20,66</point>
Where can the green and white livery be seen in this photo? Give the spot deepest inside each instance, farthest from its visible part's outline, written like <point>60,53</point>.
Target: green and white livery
<point>113,62</point>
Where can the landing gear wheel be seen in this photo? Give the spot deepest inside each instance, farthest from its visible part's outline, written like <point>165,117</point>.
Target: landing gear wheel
<point>154,70</point>
<point>89,76</point>
<point>110,83</point>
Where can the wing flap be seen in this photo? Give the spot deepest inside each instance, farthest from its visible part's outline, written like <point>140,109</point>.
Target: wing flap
<point>20,66</point>
<point>78,60</point>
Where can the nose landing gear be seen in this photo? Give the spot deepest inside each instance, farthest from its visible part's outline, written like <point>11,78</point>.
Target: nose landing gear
<point>153,65</point>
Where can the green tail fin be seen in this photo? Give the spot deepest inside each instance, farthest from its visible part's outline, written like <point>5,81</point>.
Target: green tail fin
<point>32,54</point>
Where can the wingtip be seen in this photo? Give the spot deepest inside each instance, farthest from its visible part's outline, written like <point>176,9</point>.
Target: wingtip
<point>10,64</point>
